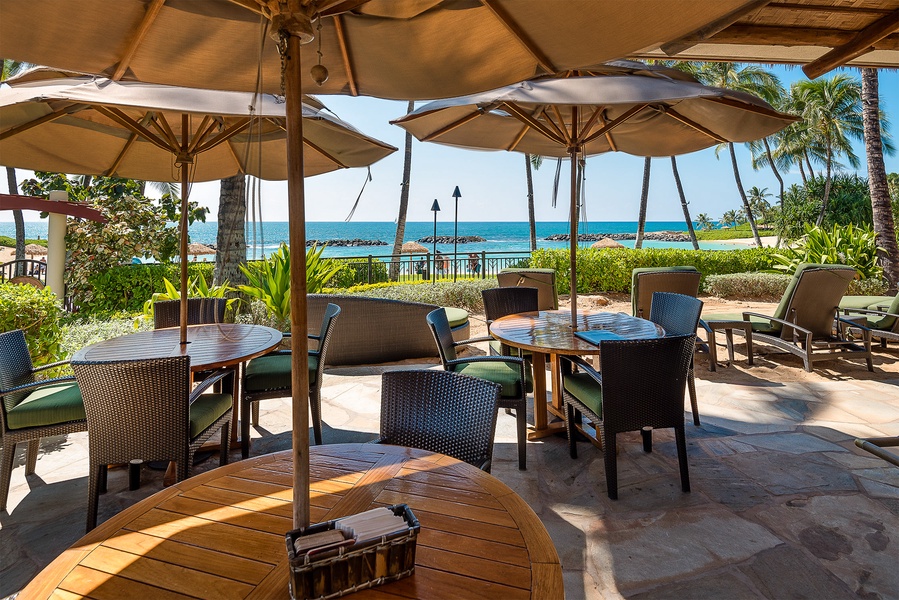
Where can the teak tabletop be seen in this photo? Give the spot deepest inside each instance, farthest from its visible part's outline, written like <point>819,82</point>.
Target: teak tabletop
<point>221,534</point>
<point>549,332</point>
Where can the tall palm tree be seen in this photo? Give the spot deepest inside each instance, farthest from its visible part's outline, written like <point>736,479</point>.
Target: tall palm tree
<point>758,201</point>
<point>532,160</point>
<point>404,202</point>
<point>10,68</point>
<point>877,178</point>
<point>683,203</point>
<point>644,197</point>
<point>745,78</point>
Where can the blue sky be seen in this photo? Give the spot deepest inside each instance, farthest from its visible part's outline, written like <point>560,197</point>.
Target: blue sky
<point>493,183</point>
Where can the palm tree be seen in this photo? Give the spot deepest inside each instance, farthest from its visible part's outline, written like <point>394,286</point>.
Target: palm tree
<point>683,203</point>
<point>877,178</point>
<point>753,80</point>
<point>729,218</point>
<point>758,203</point>
<point>704,222</point>
<point>532,160</point>
<point>644,196</point>
<point>231,237</point>
<point>404,202</point>
<point>10,68</point>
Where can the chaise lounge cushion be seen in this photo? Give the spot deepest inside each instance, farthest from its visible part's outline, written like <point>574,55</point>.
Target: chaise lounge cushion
<point>57,403</point>
<point>888,304</point>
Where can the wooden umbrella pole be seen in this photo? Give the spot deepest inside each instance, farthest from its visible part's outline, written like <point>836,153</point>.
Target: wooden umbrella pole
<point>572,152</point>
<point>298,319</point>
<point>185,180</point>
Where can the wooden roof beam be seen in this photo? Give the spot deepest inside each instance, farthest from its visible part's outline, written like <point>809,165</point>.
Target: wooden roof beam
<point>141,31</point>
<point>775,35</point>
<point>526,42</point>
<point>710,29</point>
<point>861,44</point>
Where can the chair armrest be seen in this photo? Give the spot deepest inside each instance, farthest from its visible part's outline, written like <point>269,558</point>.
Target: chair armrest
<point>215,377</point>
<point>866,311</point>
<point>852,323</point>
<point>473,359</point>
<point>50,366</point>
<point>37,384</point>
<point>485,338</point>
<point>776,320</point>
<point>584,366</point>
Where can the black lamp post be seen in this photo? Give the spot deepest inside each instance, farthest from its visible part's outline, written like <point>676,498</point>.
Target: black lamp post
<point>456,194</point>
<point>435,208</point>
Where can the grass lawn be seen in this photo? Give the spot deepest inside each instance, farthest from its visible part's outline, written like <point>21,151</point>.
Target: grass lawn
<point>732,233</point>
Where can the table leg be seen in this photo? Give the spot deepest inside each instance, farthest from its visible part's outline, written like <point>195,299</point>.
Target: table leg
<point>557,407</point>
<point>235,405</point>
<point>542,408</point>
<point>539,362</point>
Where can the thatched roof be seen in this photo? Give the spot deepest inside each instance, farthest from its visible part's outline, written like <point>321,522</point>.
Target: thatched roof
<point>607,243</point>
<point>413,248</point>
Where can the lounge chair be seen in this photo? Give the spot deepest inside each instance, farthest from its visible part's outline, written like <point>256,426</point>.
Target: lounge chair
<point>880,314</point>
<point>648,280</point>
<point>803,322</point>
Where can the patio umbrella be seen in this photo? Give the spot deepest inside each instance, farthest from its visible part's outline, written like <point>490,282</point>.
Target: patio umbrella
<point>94,126</point>
<point>403,49</point>
<point>624,106</point>
<point>196,248</point>
<point>413,248</point>
<point>35,250</point>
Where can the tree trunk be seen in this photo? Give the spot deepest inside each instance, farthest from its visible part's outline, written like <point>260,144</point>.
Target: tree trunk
<point>18,218</point>
<point>746,207</point>
<point>683,203</point>
<point>231,239</point>
<point>644,197</point>
<point>531,219</point>
<point>808,162</point>
<point>827,182</point>
<point>802,173</point>
<point>877,180</point>
<point>404,202</point>
<point>780,181</point>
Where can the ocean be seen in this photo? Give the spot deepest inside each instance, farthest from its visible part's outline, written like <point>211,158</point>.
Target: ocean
<point>499,236</point>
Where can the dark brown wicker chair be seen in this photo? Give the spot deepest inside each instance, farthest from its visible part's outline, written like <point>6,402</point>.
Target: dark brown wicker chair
<point>642,384</point>
<point>167,313</point>
<point>440,411</point>
<point>509,371</point>
<point>502,301</point>
<point>145,409</point>
<point>269,376</point>
<point>31,409</point>
<point>679,315</point>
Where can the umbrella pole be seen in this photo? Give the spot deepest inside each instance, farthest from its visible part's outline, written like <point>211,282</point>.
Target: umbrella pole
<point>185,180</point>
<point>572,152</point>
<point>298,318</point>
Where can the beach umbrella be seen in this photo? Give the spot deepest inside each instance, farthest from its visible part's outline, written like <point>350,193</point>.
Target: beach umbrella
<point>624,106</point>
<point>606,243</point>
<point>413,248</point>
<point>402,49</point>
<point>196,249</point>
<point>35,250</point>
<point>95,126</point>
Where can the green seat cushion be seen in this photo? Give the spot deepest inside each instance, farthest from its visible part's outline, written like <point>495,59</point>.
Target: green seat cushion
<point>586,389</point>
<point>500,349</point>
<point>206,410</point>
<point>272,372</point>
<point>759,325</point>
<point>51,404</point>
<point>456,316</point>
<point>870,302</point>
<point>503,373</point>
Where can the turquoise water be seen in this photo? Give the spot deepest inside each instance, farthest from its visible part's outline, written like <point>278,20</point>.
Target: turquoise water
<point>499,236</point>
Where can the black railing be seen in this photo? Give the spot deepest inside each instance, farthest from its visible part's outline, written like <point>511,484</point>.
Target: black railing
<point>417,267</point>
<point>26,267</point>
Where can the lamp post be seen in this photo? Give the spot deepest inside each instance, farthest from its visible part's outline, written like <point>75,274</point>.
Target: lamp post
<point>435,208</point>
<point>456,194</point>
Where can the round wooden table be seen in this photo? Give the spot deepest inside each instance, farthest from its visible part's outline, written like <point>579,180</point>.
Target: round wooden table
<point>549,332</point>
<point>221,534</point>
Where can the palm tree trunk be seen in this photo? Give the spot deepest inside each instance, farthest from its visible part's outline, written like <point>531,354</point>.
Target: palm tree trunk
<point>404,203</point>
<point>17,217</point>
<point>531,219</point>
<point>683,203</point>
<point>808,162</point>
<point>827,181</point>
<point>231,239</point>
<point>644,197</point>
<point>802,173</point>
<point>746,207</point>
<point>877,180</point>
<point>780,181</point>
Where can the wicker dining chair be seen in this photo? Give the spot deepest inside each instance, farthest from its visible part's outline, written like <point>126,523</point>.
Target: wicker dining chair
<point>440,411</point>
<point>502,301</point>
<point>641,384</point>
<point>679,314</point>
<point>145,409</point>
<point>510,372</point>
<point>269,376</point>
<point>200,311</point>
<point>646,281</point>
<point>31,409</point>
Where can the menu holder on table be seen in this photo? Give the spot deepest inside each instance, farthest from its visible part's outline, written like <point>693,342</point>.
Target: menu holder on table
<point>331,559</point>
<point>595,336</point>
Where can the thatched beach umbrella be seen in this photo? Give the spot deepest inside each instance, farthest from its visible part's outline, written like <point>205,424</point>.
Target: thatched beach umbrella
<point>413,248</point>
<point>196,249</point>
<point>607,243</point>
<point>35,250</point>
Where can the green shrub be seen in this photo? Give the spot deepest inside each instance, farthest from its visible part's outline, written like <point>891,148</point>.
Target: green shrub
<point>196,288</point>
<point>127,287</point>
<point>850,202</point>
<point>85,330</point>
<point>609,269</point>
<point>841,245</point>
<point>465,293</point>
<point>766,287</point>
<point>355,272</point>
<point>37,313</point>
<point>868,287</point>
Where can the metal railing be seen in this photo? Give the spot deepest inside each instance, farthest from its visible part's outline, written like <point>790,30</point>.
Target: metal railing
<point>26,267</point>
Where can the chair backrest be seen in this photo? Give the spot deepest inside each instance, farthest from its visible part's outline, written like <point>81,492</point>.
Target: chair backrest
<point>812,298</point>
<point>443,335</point>
<point>643,382</point>
<point>542,279</point>
<point>327,330</point>
<point>440,411</point>
<point>16,367</point>
<point>136,408</point>
<point>200,311</point>
<point>676,313</point>
<point>502,301</point>
<point>646,281</point>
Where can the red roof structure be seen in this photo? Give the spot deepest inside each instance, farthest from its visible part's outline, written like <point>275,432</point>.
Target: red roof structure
<point>73,209</point>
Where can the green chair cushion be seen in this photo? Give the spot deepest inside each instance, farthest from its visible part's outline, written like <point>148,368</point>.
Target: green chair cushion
<point>54,403</point>
<point>502,373</point>
<point>272,372</point>
<point>500,349</point>
<point>206,410</point>
<point>759,325</point>
<point>586,389</point>
<point>888,304</point>
<point>456,316</point>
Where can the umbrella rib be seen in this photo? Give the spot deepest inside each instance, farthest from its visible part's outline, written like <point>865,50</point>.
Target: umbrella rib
<point>162,125</point>
<point>613,124</point>
<point>56,114</point>
<point>224,136</point>
<point>569,135</point>
<point>562,135</point>
<point>519,137</point>
<point>126,121</point>
<point>131,139</point>
<point>519,34</point>
<point>457,123</point>
<point>325,154</point>
<point>206,125</point>
<point>142,30</point>
<point>609,138</point>
<point>527,119</point>
<point>345,53</point>
<point>761,110</point>
<point>690,123</point>
<point>589,124</point>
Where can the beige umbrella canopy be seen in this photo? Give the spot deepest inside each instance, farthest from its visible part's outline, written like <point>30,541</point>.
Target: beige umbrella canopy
<point>196,249</point>
<point>413,248</point>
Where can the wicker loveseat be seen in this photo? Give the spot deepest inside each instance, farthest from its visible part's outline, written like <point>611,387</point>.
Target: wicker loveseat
<point>378,330</point>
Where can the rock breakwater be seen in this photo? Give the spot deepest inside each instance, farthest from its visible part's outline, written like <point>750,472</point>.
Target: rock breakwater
<point>655,236</point>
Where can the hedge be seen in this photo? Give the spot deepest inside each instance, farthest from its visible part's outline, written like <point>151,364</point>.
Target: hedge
<point>127,287</point>
<point>609,269</point>
<point>37,313</point>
